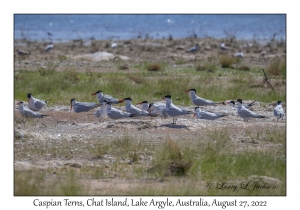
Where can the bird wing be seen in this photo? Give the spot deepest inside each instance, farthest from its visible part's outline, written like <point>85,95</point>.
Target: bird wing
<point>198,101</point>
<point>84,106</point>
<point>246,113</point>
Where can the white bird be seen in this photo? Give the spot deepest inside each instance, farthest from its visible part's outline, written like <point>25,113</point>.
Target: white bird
<point>234,105</point>
<point>35,104</point>
<point>198,101</point>
<point>174,111</point>
<point>49,46</point>
<point>158,108</point>
<point>103,97</point>
<point>27,112</point>
<point>246,113</point>
<point>207,115</point>
<point>223,47</point>
<point>82,106</point>
<point>278,111</point>
<point>239,54</point>
<point>145,107</point>
<point>22,52</point>
<point>114,45</point>
<point>133,109</point>
<point>116,114</point>
<point>193,49</point>
<point>101,113</point>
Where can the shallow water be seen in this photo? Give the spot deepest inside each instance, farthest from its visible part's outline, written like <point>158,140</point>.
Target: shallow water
<point>119,27</point>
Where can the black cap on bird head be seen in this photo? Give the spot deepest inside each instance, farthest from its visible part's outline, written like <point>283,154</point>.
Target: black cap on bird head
<point>193,89</point>
<point>73,99</point>
<point>240,100</point>
<point>279,102</point>
<point>28,95</point>
<point>150,105</point>
<point>127,99</point>
<point>196,108</point>
<point>232,102</point>
<point>168,96</point>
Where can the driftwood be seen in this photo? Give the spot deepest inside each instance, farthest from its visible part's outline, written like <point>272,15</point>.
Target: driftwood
<point>266,80</point>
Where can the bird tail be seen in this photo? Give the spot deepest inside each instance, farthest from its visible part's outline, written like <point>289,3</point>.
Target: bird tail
<point>260,116</point>
<point>45,115</point>
<point>47,101</point>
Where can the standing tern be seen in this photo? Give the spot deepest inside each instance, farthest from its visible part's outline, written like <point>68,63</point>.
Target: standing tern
<point>278,111</point>
<point>116,114</point>
<point>27,112</point>
<point>49,46</point>
<point>133,109</point>
<point>207,115</point>
<point>35,104</point>
<point>193,49</point>
<point>172,110</point>
<point>198,101</point>
<point>246,113</point>
<point>103,97</point>
<point>101,113</point>
<point>158,108</point>
<point>82,106</point>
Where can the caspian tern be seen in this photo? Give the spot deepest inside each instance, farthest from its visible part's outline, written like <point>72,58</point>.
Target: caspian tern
<point>133,109</point>
<point>27,112</point>
<point>114,45</point>
<point>116,114</point>
<point>172,110</point>
<point>193,49</point>
<point>247,106</point>
<point>239,54</point>
<point>103,97</point>
<point>35,104</point>
<point>22,52</point>
<point>145,107</point>
<point>101,113</point>
<point>82,106</point>
<point>223,47</point>
<point>246,113</point>
<point>198,101</point>
<point>49,46</point>
<point>158,108</point>
<point>207,115</point>
<point>278,111</point>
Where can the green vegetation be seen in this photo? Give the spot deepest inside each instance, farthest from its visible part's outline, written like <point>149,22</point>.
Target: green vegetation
<point>147,84</point>
<point>213,157</point>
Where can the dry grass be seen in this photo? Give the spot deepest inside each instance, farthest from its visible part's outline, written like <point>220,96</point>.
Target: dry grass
<point>226,61</point>
<point>154,67</point>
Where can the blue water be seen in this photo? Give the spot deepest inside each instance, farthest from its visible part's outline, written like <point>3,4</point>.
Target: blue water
<point>126,26</point>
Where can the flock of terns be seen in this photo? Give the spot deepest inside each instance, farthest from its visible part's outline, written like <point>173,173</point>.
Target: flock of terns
<point>164,110</point>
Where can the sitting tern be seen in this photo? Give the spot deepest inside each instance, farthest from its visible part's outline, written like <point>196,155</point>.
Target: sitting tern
<point>145,107</point>
<point>158,109</point>
<point>207,115</point>
<point>82,106</point>
<point>116,114</point>
<point>101,113</point>
<point>223,47</point>
<point>278,111</point>
<point>35,104</point>
<point>246,113</point>
<point>239,54</point>
<point>103,97</point>
<point>133,109</point>
<point>22,52</point>
<point>198,101</point>
<point>233,104</point>
<point>27,112</point>
<point>174,111</point>
<point>49,46</point>
<point>193,49</point>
